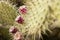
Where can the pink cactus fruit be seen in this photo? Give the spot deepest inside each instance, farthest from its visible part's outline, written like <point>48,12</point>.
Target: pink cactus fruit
<point>13,30</point>
<point>19,19</point>
<point>22,9</point>
<point>18,36</point>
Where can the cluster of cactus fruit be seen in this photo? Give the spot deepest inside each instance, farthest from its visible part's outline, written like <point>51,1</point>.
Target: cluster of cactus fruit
<point>32,19</point>
<point>17,35</point>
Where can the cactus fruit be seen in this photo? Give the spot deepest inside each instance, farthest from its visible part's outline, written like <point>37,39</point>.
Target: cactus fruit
<point>41,14</point>
<point>22,9</point>
<point>19,19</point>
<point>18,36</point>
<point>13,30</point>
<point>8,13</point>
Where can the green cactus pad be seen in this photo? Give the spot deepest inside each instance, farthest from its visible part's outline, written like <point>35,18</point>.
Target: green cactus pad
<point>4,34</point>
<point>8,13</point>
<point>40,16</point>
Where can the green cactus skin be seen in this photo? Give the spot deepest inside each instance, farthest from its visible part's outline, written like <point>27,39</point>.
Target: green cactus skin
<point>4,34</point>
<point>7,13</point>
<point>40,16</point>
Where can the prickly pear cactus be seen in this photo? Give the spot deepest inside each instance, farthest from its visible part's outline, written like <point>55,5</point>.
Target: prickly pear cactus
<point>41,14</point>
<point>7,13</point>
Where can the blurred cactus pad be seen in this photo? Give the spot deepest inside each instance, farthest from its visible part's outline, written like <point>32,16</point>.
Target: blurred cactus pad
<point>15,2</point>
<point>7,13</point>
<point>4,34</point>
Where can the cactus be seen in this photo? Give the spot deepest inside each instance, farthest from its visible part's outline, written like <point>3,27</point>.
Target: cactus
<point>36,17</point>
<point>8,13</point>
<point>40,16</point>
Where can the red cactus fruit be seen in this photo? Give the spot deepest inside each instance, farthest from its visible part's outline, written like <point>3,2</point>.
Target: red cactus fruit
<point>19,19</point>
<point>13,30</point>
<point>23,9</point>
